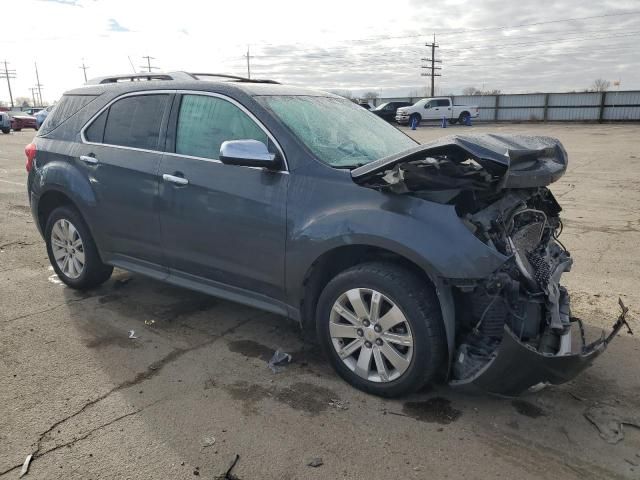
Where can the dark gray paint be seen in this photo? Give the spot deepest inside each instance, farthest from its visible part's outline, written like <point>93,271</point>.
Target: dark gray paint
<point>247,234</point>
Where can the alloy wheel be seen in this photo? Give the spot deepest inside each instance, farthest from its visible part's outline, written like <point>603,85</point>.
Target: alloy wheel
<point>67,248</point>
<point>371,335</point>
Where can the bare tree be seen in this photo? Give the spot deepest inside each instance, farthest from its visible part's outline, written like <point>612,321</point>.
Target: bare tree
<point>600,85</point>
<point>343,93</point>
<point>471,91</point>
<point>23,102</point>
<point>371,95</point>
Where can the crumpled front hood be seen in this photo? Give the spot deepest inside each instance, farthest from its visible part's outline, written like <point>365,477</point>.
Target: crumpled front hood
<point>516,161</point>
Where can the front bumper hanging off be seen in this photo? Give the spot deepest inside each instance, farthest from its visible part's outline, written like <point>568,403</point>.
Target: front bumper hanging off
<point>516,367</point>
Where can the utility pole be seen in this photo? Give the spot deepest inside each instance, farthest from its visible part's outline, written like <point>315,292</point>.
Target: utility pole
<point>84,69</point>
<point>248,55</point>
<point>33,95</point>
<point>149,67</point>
<point>433,61</point>
<point>8,74</point>
<point>38,84</point>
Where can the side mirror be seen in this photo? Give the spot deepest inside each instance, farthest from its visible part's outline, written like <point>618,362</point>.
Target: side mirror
<point>248,153</point>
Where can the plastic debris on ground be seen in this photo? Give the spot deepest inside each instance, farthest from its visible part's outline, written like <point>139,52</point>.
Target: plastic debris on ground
<point>279,360</point>
<point>315,462</point>
<point>25,465</point>
<point>610,422</point>
<point>132,334</point>
<point>208,442</point>
<point>149,323</point>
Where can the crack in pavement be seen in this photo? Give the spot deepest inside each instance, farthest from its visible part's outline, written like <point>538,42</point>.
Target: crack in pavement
<point>86,435</point>
<point>26,315</point>
<point>151,371</point>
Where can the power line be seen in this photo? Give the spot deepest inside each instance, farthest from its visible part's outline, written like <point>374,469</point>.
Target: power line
<point>433,61</point>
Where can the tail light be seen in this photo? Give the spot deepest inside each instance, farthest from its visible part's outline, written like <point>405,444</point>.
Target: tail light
<point>30,151</point>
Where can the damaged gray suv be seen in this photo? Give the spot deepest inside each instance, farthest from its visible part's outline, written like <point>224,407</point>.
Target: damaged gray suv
<point>409,262</point>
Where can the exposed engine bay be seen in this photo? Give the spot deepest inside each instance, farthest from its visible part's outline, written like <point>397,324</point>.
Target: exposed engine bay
<point>513,329</point>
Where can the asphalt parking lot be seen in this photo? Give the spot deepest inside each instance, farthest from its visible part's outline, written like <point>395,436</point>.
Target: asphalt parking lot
<point>193,390</point>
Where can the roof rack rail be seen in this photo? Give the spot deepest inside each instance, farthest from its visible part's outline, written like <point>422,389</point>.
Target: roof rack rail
<point>232,77</point>
<point>138,77</point>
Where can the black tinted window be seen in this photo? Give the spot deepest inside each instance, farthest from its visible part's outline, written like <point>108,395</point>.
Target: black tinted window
<point>68,106</point>
<point>135,121</point>
<point>443,103</point>
<point>205,122</point>
<point>95,132</point>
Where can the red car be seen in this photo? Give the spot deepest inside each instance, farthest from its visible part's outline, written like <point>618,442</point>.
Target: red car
<point>20,120</point>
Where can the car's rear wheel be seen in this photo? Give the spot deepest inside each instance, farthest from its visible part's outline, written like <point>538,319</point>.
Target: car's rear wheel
<point>72,251</point>
<point>6,130</point>
<point>464,118</point>
<point>380,326</point>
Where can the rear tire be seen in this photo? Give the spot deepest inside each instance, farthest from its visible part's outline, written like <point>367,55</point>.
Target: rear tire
<point>6,130</point>
<point>72,250</point>
<point>463,118</point>
<point>409,322</point>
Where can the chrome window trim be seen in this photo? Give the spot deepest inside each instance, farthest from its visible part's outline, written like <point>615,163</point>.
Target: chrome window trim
<point>183,92</point>
<point>83,138</point>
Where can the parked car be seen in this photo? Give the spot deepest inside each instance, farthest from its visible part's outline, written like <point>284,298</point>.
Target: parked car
<point>42,114</point>
<point>5,122</point>
<point>20,120</point>
<point>409,262</point>
<point>387,110</point>
<point>364,104</point>
<point>32,111</point>
<point>435,109</point>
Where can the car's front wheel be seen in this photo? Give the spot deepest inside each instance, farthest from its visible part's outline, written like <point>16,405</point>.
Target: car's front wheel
<point>381,327</point>
<point>72,251</point>
<point>6,130</point>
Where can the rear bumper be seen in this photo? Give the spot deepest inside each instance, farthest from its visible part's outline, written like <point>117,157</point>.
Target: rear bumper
<point>515,367</point>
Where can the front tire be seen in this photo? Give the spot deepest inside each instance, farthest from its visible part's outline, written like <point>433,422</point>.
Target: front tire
<point>6,130</point>
<point>381,327</point>
<point>72,250</point>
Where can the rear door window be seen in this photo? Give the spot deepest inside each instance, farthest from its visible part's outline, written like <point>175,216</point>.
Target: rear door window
<point>135,121</point>
<point>443,102</point>
<point>205,122</point>
<point>95,132</point>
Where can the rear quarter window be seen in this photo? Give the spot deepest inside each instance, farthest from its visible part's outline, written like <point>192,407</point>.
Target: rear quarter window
<point>67,107</point>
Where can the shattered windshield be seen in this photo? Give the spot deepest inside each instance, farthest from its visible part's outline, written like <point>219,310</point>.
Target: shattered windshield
<point>339,132</point>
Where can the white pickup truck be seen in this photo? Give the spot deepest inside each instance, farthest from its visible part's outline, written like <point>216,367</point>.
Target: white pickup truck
<point>436,108</point>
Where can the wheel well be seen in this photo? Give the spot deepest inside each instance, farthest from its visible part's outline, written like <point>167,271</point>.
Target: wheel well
<point>462,114</point>
<point>48,202</point>
<point>329,264</point>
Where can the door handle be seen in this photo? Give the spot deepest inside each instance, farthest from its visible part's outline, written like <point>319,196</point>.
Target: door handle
<point>174,179</point>
<point>89,159</point>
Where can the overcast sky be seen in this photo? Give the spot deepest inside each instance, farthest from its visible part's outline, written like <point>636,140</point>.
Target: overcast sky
<point>349,45</point>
